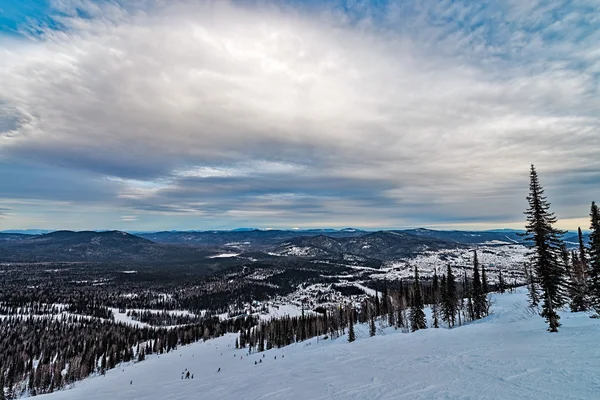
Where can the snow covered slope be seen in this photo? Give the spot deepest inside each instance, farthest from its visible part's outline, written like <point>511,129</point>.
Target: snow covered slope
<point>508,355</point>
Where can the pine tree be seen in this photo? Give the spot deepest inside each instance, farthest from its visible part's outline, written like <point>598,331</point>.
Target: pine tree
<point>449,300</point>
<point>484,283</point>
<point>435,307</point>
<point>384,298</point>
<point>479,306</point>
<point>545,255</point>
<point>417,315</point>
<point>469,293</point>
<point>594,258</point>
<point>578,284</point>
<point>501,285</point>
<point>372,328</point>
<point>351,335</point>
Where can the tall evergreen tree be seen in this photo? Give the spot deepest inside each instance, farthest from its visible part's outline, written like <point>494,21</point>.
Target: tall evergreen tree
<point>351,334</point>
<point>546,243</point>
<point>372,329</point>
<point>384,298</point>
<point>501,284</point>
<point>479,306</point>
<point>417,315</point>
<point>449,299</point>
<point>582,250</point>
<point>435,307</point>
<point>577,273</point>
<point>467,290</point>
<point>484,283</point>
<point>594,258</point>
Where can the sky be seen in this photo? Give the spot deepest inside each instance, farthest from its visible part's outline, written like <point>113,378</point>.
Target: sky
<point>181,114</point>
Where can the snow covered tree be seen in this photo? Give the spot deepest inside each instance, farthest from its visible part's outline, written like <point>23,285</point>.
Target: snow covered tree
<point>435,306</point>
<point>479,300</point>
<point>594,264</point>
<point>545,255</point>
<point>417,315</point>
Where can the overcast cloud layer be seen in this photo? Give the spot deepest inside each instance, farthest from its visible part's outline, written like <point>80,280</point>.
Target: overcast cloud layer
<point>179,115</point>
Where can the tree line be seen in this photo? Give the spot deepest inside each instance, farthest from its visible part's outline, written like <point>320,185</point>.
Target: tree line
<point>558,277</point>
<point>454,301</point>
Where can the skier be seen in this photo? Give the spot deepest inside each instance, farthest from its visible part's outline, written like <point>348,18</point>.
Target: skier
<point>219,369</point>
<point>131,382</point>
<point>187,376</point>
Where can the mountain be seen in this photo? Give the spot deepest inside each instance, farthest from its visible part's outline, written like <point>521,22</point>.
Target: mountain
<point>27,231</point>
<point>508,355</point>
<point>255,239</point>
<point>90,246</point>
<point>13,237</point>
<point>381,245</point>
<point>470,237</point>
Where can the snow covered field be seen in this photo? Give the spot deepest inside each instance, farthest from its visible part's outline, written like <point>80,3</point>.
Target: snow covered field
<point>508,355</point>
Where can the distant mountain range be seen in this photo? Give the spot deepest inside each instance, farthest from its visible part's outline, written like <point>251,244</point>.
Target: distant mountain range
<point>175,246</point>
<point>62,246</point>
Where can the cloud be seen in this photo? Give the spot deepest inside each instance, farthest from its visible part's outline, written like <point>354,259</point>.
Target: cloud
<point>282,114</point>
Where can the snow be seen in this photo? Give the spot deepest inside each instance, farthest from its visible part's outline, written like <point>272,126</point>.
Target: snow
<point>507,355</point>
<point>367,290</point>
<point>225,255</point>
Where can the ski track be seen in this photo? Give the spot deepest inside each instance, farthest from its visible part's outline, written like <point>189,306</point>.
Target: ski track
<point>508,355</point>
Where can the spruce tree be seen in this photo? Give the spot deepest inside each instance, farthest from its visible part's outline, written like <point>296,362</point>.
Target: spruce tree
<point>501,285</point>
<point>417,315</point>
<point>469,293</point>
<point>484,283</point>
<point>384,298</point>
<point>449,300</point>
<point>372,328</point>
<point>479,306</point>
<point>594,258</point>
<point>351,335</point>
<point>546,243</point>
<point>435,307</point>
<point>578,284</point>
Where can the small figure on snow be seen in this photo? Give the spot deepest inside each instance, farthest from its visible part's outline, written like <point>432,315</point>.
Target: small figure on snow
<point>219,369</point>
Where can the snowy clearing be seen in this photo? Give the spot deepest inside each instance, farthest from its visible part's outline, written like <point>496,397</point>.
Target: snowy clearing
<point>225,255</point>
<point>508,355</point>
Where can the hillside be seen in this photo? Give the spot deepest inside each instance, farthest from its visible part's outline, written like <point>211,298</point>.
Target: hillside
<point>508,355</point>
<point>381,245</point>
<point>89,246</point>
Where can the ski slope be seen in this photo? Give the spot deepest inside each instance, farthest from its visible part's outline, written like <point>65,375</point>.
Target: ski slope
<point>508,355</point>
